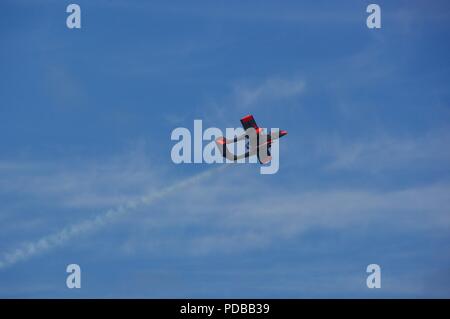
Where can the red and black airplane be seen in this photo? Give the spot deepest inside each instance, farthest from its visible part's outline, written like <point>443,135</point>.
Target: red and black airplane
<point>260,147</point>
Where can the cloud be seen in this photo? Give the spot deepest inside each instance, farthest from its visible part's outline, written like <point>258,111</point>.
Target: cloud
<point>263,93</point>
<point>219,216</point>
<point>271,89</point>
<point>62,236</point>
<point>232,218</point>
<point>78,183</point>
<point>229,218</point>
<point>388,152</point>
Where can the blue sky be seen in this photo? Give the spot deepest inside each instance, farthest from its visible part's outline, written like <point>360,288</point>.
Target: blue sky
<point>85,123</point>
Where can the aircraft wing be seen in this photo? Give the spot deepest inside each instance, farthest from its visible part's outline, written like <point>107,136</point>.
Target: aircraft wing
<point>221,143</point>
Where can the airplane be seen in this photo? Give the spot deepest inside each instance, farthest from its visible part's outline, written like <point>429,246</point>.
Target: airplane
<point>261,147</point>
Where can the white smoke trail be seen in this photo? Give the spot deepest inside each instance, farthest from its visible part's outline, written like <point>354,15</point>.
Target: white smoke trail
<point>59,238</point>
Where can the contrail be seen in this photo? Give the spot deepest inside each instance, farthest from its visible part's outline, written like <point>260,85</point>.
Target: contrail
<point>60,237</point>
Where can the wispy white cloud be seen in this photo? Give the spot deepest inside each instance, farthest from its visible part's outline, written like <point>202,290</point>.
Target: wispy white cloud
<point>62,236</point>
<point>254,216</point>
<point>388,152</point>
<point>234,218</point>
<point>265,94</point>
<point>81,183</point>
<point>271,89</point>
